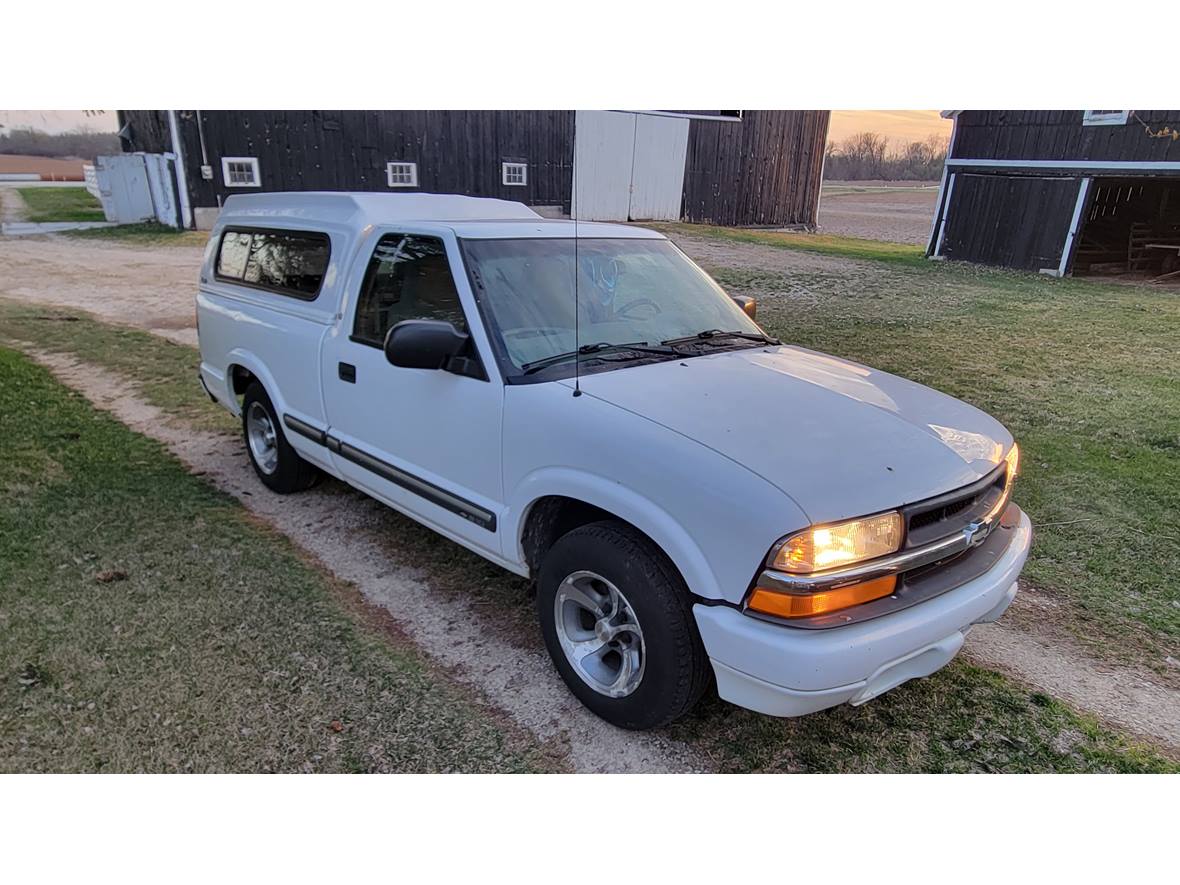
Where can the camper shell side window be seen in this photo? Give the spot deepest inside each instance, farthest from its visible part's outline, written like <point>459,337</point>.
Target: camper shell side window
<point>286,262</point>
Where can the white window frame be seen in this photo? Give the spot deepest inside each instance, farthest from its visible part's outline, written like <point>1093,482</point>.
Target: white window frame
<point>1116,118</point>
<point>401,167</point>
<point>253,161</point>
<point>524,174</point>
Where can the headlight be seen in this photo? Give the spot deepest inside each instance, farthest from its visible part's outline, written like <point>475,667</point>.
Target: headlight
<point>1013,461</point>
<point>834,546</point>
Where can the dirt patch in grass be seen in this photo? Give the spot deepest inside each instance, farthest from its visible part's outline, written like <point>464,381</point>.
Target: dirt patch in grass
<point>149,625</point>
<point>60,204</point>
<point>163,371</point>
<point>12,207</point>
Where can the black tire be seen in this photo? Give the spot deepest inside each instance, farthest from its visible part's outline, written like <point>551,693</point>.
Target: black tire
<point>291,473</point>
<point>676,669</point>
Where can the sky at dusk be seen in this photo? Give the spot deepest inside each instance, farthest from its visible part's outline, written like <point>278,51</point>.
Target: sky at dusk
<point>900,126</point>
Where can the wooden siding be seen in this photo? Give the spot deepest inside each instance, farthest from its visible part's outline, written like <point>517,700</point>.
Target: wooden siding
<point>762,170</point>
<point>457,152</point>
<point>1060,135</point>
<point>1009,220</point>
<point>146,131</point>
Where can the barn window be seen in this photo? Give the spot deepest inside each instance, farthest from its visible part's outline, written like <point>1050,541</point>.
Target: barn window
<point>515,174</point>
<point>240,172</point>
<point>1104,118</point>
<point>402,174</point>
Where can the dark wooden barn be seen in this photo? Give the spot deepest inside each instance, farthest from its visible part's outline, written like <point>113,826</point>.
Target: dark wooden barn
<point>723,167</point>
<point>1062,192</point>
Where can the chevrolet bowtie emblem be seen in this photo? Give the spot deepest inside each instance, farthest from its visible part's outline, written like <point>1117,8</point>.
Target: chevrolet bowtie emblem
<point>976,533</point>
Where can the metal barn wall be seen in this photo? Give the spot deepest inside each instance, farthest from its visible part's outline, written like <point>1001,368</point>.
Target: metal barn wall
<point>1060,135</point>
<point>1009,220</point>
<point>764,169</point>
<point>629,166</point>
<point>456,151</point>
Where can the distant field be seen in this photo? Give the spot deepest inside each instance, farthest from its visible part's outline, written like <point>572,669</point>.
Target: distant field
<point>878,184</point>
<point>49,167</point>
<point>893,211</point>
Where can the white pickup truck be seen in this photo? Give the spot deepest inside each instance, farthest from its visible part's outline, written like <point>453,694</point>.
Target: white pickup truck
<point>583,405</point>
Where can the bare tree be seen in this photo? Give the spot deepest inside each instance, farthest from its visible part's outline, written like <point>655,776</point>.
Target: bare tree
<point>82,143</point>
<point>867,155</point>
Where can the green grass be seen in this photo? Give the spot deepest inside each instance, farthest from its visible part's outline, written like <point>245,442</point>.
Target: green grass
<point>149,233</point>
<point>962,718</point>
<point>1084,374</point>
<point>820,244</point>
<point>61,204</point>
<point>150,625</point>
<point>164,372</point>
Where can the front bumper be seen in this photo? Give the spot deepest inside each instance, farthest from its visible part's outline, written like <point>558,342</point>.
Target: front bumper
<point>785,671</point>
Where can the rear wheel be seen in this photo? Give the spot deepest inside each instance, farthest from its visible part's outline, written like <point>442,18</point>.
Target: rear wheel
<point>277,464</point>
<point>618,624</point>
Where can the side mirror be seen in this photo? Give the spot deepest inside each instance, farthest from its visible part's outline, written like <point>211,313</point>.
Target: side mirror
<point>748,305</point>
<point>424,344</point>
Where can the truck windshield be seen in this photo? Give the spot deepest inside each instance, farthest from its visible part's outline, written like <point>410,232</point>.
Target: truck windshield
<point>629,291</point>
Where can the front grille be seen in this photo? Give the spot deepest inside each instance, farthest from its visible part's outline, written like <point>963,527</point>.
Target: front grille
<point>939,514</point>
<point>947,514</point>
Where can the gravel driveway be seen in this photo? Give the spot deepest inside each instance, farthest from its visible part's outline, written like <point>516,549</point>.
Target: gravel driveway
<point>151,287</point>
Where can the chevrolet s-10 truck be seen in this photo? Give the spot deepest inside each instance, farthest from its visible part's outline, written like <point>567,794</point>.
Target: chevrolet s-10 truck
<point>695,501</point>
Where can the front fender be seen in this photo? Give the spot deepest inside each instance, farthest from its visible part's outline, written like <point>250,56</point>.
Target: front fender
<point>609,495</point>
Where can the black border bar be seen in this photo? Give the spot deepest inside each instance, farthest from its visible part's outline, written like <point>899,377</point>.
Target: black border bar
<point>434,494</point>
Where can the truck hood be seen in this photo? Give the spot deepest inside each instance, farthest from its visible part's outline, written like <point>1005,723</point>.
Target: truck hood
<point>841,439</point>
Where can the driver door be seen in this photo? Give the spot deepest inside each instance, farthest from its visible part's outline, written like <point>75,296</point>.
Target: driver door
<point>427,442</point>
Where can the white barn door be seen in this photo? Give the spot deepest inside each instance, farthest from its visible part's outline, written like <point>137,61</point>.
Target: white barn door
<point>628,166</point>
<point>604,143</point>
<point>657,175</point>
<point>123,188</point>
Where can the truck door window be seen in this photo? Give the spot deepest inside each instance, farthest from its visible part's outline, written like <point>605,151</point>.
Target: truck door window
<point>408,278</point>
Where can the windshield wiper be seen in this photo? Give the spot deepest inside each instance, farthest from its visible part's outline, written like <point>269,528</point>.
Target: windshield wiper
<point>710,334</point>
<point>588,349</point>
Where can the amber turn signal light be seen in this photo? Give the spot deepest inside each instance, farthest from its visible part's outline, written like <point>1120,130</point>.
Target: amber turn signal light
<point>748,305</point>
<point>788,605</point>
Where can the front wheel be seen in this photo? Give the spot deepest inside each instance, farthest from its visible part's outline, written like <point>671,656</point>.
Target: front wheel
<point>617,621</point>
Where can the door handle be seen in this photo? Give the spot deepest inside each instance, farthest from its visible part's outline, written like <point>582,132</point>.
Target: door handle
<point>347,372</point>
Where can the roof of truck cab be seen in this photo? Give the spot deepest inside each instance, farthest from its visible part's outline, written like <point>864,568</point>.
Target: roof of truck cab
<point>472,217</point>
<point>538,228</point>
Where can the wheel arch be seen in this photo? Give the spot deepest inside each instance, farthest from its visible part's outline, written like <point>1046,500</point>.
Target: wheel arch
<point>242,367</point>
<point>555,501</point>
